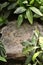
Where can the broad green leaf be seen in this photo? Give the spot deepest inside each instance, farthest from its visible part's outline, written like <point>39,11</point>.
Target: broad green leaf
<point>41,42</point>
<point>31,1</point>
<point>36,55</point>
<point>29,16</point>
<point>19,10</point>
<point>4,4</point>
<point>12,6</point>
<point>37,11</point>
<point>2,59</point>
<point>20,20</point>
<point>25,2</point>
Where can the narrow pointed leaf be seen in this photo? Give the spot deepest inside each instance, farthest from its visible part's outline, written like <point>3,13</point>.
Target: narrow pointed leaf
<point>35,10</point>
<point>2,59</point>
<point>35,55</point>
<point>29,16</point>
<point>28,60</point>
<point>20,20</point>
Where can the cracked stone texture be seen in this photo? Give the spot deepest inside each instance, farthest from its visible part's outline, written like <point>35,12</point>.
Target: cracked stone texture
<point>13,36</point>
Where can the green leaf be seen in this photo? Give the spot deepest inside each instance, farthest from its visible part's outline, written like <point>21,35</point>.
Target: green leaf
<point>2,59</point>
<point>28,60</point>
<point>36,32</point>
<point>29,16</point>
<point>38,1</point>
<point>41,42</point>
<point>29,64</point>
<point>36,16</point>
<point>12,6</point>
<point>34,40</point>
<point>28,49</point>
<point>20,20</point>
<point>2,21</point>
<point>37,11</point>
<point>31,2</point>
<point>35,55</point>
<point>20,2</point>
<point>41,9</point>
<point>25,2</point>
<point>26,43</point>
<point>2,50</point>
<point>35,63</point>
<point>4,5</point>
<point>19,10</point>
<point>35,37</point>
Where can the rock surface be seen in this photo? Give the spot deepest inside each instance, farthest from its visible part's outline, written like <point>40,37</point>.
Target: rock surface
<point>12,37</point>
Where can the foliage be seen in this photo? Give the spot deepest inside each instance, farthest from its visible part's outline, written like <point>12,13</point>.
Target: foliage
<point>3,13</point>
<point>2,53</point>
<point>28,9</point>
<point>34,49</point>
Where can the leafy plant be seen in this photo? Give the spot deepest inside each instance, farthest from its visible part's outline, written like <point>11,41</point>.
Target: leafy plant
<point>34,49</point>
<point>28,9</point>
<point>4,13</point>
<point>2,53</point>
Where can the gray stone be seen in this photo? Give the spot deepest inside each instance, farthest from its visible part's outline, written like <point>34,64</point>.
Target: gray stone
<point>13,36</point>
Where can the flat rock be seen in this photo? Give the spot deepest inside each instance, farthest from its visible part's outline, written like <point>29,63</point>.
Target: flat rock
<point>13,36</point>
